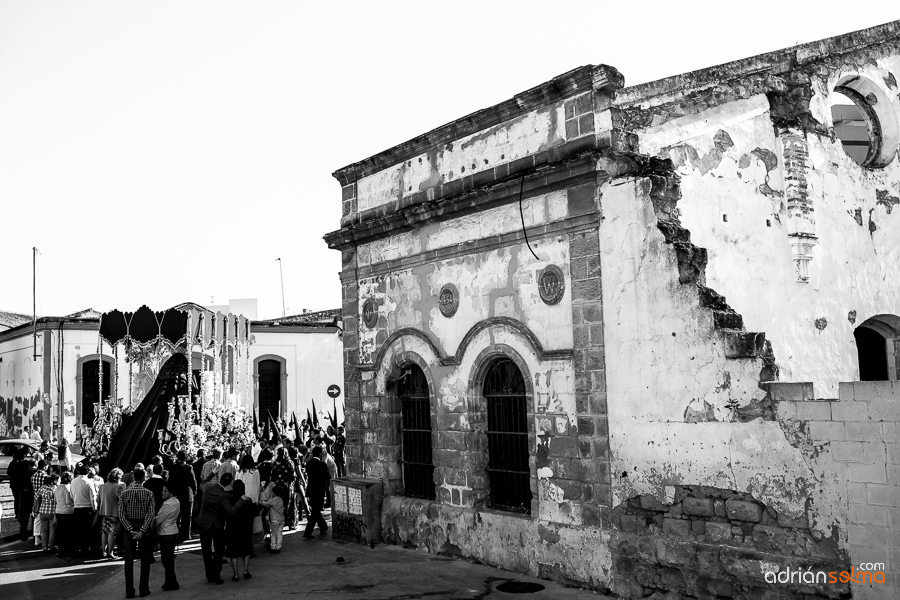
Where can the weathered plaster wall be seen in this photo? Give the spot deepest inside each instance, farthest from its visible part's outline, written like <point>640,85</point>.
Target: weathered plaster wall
<point>497,283</point>
<point>313,363</point>
<point>509,141</point>
<point>21,383</point>
<point>731,164</point>
<point>665,358</point>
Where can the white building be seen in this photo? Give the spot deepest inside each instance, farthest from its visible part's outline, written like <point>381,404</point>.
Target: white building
<point>50,371</point>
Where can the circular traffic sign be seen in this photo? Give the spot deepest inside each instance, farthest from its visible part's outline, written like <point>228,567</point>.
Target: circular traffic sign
<point>334,391</point>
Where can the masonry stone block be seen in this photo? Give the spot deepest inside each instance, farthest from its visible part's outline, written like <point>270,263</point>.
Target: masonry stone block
<point>883,495</point>
<point>867,472</point>
<point>863,432</point>
<point>675,553</point>
<point>719,506</point>
<point>587,289</point>
<point>740,510</point>
<point>564,446</point>
<point>850,411</point>
<point>826,431</point>
<point>701,507</point>
<point>814,411</point>
<point>648,502</point>
<point>872,391</point>
<point>884,410</point>
<point>633,523</point>
<point>718,532</point>
<point>785,521</point>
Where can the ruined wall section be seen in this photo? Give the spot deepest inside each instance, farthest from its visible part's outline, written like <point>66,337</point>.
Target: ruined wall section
<point>676,399</point>
<point>803,238</point>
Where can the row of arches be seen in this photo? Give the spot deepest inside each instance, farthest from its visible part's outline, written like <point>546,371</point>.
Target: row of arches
<point>507,408</point>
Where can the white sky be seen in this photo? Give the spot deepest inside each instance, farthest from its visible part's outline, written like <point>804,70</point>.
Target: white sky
<point>161,152</point>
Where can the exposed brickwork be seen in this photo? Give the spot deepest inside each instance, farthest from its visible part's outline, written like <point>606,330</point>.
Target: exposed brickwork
<point>591,444</point>
<point>712,543</point>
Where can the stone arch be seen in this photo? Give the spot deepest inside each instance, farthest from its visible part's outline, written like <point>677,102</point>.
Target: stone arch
<point>404,344</point>
<point>391,405</point>
<point>870,332</point>
<point>378,419</point>
<point>477,412</point>
<point>284,375</point>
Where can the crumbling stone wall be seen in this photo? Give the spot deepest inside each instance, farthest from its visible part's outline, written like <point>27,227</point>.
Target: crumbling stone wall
<point>712,543</point>
<point>767,186</point>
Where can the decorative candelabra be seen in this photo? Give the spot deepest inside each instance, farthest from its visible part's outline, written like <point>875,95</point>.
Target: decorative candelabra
<point>107,420</point>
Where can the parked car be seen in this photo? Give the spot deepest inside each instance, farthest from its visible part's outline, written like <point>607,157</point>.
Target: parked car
<point>8,449</point>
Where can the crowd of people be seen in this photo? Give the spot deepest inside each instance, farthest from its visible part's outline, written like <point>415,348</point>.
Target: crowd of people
<point>232,498</point>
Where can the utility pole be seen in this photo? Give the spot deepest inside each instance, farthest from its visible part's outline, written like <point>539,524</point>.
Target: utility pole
<point>34,300</point>
<point>280,272</point>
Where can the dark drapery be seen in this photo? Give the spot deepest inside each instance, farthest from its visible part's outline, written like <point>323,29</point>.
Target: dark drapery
<point>137,439</point>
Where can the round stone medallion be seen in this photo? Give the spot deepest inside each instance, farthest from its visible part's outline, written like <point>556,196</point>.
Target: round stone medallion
<point>370,313</point>
<point>448,300</point>
<point>551,284</point>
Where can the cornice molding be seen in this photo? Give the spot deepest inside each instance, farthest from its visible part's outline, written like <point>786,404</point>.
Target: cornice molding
<point>602,78</point>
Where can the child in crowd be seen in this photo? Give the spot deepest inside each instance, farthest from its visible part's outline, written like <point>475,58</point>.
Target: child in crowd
<point>275,505</point>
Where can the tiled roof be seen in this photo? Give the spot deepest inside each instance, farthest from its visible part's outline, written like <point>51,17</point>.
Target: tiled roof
<point>11,319</point>
<point>322,318</point>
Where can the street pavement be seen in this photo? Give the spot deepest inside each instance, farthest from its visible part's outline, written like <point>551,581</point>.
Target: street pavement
<point>315,569</point>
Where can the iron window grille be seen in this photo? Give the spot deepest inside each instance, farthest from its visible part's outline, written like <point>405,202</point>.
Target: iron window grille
<point>507,433</point>
<point>269,389</point>
<point>415,434</point>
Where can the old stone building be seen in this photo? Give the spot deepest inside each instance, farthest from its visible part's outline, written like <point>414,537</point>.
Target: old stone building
<point>543,368</point>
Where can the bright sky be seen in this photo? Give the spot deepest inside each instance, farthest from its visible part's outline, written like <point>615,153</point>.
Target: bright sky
<point>162,152</point>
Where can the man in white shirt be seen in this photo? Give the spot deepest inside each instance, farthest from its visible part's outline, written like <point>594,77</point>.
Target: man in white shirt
<point>167,521</point>
<point>85,495</point>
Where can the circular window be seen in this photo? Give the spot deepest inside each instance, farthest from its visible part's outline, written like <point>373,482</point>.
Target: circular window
<point>864,122</point>
<point>551,284</point>
<point>370,313</point>
<point>448,300</point>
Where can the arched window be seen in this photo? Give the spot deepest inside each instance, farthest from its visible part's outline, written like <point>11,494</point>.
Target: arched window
<point>507,436</point>
<point>876,346</point>
<point>415,433</point>
<point>269,389</point>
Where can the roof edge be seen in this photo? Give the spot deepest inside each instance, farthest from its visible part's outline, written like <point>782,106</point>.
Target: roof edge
<point>580,79</point>
<point>777,60</point>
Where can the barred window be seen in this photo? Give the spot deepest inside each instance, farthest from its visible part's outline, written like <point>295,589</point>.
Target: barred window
<point>507,433</point>
<point>415,433</point>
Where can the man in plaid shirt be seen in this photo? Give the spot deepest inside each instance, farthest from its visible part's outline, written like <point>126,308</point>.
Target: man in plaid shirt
<point>210,467</point>
<point>45,509</point>
<point>37,481</point>
<point>137,511</point>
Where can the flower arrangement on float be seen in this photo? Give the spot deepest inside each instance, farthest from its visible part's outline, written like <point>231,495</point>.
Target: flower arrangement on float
<point>219,427</point>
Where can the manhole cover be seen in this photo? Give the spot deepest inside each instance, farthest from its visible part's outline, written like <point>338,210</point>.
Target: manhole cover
<point>519,587</point>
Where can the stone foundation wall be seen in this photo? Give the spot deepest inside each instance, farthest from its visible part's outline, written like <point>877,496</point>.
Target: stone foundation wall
<point>572,555</point>
<point>712,543</point>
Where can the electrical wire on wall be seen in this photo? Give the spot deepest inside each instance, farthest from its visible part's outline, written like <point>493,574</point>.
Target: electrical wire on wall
<point>522,214</point>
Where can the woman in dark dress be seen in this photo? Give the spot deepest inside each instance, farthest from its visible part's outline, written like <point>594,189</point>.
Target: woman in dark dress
<point>239,532</point>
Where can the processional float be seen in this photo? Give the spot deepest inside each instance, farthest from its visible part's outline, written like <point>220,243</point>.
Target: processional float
<point>159,348</point>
